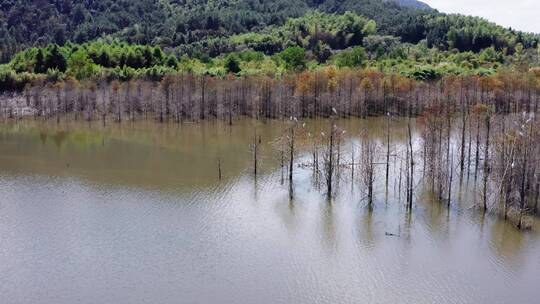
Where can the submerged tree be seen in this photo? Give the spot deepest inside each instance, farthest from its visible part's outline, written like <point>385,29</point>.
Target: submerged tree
<point>368,161</point>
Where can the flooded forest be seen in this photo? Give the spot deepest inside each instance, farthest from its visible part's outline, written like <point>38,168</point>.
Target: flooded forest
<point>460,132</point>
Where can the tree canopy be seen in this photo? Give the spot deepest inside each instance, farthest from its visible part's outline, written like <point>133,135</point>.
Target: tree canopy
<point>189,26</point>
<point>148,38</point>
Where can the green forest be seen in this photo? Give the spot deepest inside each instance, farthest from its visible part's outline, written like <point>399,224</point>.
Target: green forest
<point>121,40</point>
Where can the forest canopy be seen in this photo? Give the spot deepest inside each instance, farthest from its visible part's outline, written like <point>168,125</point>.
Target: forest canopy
<point>147,38</point>
<point>196,25</point>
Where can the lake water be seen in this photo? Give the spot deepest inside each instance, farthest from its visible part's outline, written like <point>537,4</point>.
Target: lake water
<point>136,213</point>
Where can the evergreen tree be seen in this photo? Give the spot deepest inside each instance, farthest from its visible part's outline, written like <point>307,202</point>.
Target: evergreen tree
<point>294,58</point>
<point>39,67</point>
<point>55,59</point>
<point>232,64</point>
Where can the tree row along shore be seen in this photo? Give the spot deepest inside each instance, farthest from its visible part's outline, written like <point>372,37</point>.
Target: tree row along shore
<point>352,93</point>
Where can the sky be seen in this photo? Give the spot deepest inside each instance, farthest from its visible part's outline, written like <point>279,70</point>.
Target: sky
<point>519,14</point>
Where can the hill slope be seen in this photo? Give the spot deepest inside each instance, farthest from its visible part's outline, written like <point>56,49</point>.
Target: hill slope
<point>168,23</point>
<point>413,4</point>
<point>187,25</point>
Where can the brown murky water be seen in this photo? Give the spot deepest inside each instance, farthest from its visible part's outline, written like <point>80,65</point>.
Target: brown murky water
<point>135,213</point>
